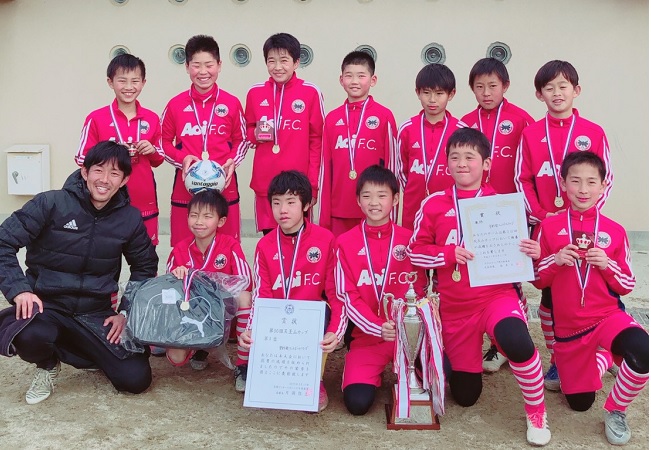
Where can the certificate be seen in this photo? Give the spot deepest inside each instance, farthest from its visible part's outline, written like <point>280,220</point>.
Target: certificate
<point>493,227</point>
<point>285,359</point>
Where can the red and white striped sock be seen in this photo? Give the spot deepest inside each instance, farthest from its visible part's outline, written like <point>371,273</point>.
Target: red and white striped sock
<point>242,317</point>
<point>546,324</point>
<point>530,379</point>
<point>627,385</point>
<point>604,361</point>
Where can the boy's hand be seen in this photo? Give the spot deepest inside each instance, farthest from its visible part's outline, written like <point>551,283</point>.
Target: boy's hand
<point>389,331</point>
<point>329,342</point>
<point>597,257</point>
<point>245,340</point>
<point>25,302</point>
<point>530,248</point>
<point>229,168</point>
<point>567,255</point>
<point>145,148</point>
<point>549,214</point>
<point>180,272</point>
<point>187,162</point>
<point>117,322</point>
<point>462,255</point>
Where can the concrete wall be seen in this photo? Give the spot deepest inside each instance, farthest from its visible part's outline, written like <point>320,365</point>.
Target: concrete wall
<point>54,56</point>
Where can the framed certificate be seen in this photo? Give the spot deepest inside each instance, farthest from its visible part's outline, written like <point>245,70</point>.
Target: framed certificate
<point>493,227</point>
<point>285,359</point>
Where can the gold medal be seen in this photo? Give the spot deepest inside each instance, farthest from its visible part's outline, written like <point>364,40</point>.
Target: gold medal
<point>456,276</point>
<point>275,149</point>
<point>558,201</point>
<point>184,306</point>
<point>205,156</point>
<point>352,174</point>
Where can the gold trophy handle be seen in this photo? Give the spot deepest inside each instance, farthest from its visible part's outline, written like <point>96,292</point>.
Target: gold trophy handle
<point>385,304</point>
<point>412,277</point>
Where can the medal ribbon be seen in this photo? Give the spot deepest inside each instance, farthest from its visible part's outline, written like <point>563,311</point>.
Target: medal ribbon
<point>456,212</point>
<point>378,293</point>
<point>429,170</point>
<point>205,263</point>
<point>481,128</point>
<point>551,150</point>
<point>583,281</point>
<point>187,281</point>
<point>287,282</point>
<point>204,132</point>
<point>277,112</point>
<point>352,147</point>
<point>117,128</point>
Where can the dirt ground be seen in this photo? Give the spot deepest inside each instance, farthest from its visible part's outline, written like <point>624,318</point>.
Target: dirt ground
<point>189,409</point>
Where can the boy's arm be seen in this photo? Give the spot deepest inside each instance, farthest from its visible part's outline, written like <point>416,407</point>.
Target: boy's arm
<point>241,266</point>
<point>261,282</point>
<point>618,274</point>
<point>525,182</point>
<point>356,308</point>
<point>89,137</point>
<point>325,182</point>
<point>390,156</point>
<point>156,158</point>
<point>545,268</point>
<point>316,132</point>
<point>173,155</point>
<point>141,255</point>
<point>604,153</point>
<point>249,119</point>
<point>422,249</point>
<point>239,142</point>
<point>338,320</point>
<point>402,157</point>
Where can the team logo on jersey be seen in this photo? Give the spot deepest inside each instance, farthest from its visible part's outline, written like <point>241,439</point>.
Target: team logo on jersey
<point>506,127</point>
<point>603,239</point>
<point>362,252</point>
<point>188,109</point>
<point>298,106</point>
<point>399,252</point>
<point>340,122</point>
<point>416,145</point>
<point>144,127</point>
<point>275,258</point>
<point>372,122</point>
<point>313,255</point>
<point>563,232</point>
<point>220,261</point>
<point>544,140</point>
<point>264,102</point>
<point>451,213</point>
<point>474,126</point>
<point>583,143</point>
<point>221,110</point>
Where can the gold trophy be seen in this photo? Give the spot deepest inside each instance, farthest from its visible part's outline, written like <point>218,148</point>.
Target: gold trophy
<point>421,415</point>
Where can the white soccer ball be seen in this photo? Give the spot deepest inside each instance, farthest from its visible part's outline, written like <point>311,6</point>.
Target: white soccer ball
<point>204,175</point>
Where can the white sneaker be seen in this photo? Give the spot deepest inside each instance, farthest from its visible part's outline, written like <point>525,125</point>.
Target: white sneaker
<point>538,433</point>
<point>493,360</point>
<point>42,385</point>
<point>617,430</point>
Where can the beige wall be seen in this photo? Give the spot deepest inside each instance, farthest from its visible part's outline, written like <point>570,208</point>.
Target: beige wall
<point>54,56</point>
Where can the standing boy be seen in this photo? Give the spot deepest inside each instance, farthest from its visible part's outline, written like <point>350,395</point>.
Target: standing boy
<point>126,122</point>
<point>295,261</point>
<point>543,147</point>
<point>204,118</point>
<point>210,250</point>
<point>371,260</point>
<point>502,123</point>
<point>469,312</point>
<point>284,121</point>
<point>356,135</point>
<point>585,259</point>
<point>422,168</point>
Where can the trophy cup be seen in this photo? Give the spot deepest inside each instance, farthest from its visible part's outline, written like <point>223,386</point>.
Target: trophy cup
<point>411,335</point>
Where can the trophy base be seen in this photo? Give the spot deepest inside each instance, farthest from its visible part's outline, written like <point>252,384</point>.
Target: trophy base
<point>422,415</point>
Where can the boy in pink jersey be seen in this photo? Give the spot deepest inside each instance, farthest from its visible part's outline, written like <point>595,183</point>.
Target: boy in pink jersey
<point>422,168</point>
<point>371,260</point>
<point>204,118</point>
<point>502,123</point>
<point>295,261</point>
<point>356,135</point>
<point>469,312</point>
<point>284,121</point>
<point>126,122</point>
<point>585,260</point>
<point>543,147</point>
<point>211,250</point>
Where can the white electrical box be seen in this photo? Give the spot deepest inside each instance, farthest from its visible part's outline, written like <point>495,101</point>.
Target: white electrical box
<point>28,169</point>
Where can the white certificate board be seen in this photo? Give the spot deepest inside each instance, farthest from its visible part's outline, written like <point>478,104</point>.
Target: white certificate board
<point>493,227</point>
<point>285,358</point>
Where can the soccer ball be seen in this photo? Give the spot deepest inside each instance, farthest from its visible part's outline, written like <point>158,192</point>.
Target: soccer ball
<point>204,175</point>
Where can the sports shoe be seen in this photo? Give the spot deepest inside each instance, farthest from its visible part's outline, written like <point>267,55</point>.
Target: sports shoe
<point>157,351</point>
<point>552,382</point>
<point>42,385</point>
<point>240,377</point>
<point>537,429</point>
<point>199,360</point>
<point>493,360</point>
<point>323,397</point>
<point>617,430</point>
<point>613,370</point>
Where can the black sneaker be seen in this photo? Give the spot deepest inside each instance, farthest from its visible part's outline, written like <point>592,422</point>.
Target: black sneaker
<point>493,360</point>
<point>199,360</point>
<point>240,377</point>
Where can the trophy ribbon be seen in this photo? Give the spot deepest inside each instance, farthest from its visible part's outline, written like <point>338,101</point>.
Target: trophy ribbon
<point>401,366</point>
<point>432,357</point>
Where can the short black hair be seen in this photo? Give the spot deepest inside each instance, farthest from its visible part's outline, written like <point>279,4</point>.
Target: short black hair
<point>211,199</point>
<point>105,151</point>
<point>551,70</point>
<point>378,175</point>
<point>488,66</point>
<point>291,182</point>
<point>469,137</point>
<point>359,58</point>
<point>201,43</point>
<point>126,62</point>
<point>436,76</point>
<point>282,41</point>
<point>575,158</point>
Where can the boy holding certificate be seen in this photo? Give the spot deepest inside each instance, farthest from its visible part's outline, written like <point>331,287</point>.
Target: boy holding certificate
<point>469,312</point>
<point>295,260</point>
<point>371,261</point>
<point>585,260</point>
